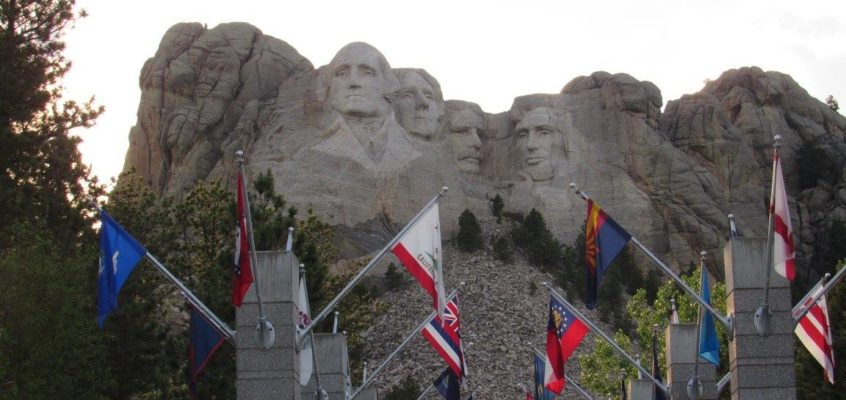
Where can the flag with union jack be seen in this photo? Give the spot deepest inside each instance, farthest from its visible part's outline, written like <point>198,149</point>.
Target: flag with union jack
<point>445,338</point>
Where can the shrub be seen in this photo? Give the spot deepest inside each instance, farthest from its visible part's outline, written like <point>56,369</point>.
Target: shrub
<point>496,207</point>
<point>469,236</point>
<point>502,250</point>
<point>393,278</point>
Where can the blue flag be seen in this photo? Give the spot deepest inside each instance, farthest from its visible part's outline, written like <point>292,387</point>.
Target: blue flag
<point>119,254</point>
<point>540,365</point>
<point>447,385</point>
<point>709,346</point>
<point>204,341</point>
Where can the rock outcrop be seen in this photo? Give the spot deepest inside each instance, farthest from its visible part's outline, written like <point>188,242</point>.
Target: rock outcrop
<point>363,143</point>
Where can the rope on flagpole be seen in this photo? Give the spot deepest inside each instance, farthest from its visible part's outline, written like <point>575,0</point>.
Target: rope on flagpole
<point>727,321</point>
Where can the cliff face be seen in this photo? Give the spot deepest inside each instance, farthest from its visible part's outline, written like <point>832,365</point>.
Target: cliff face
<point>362,143</point>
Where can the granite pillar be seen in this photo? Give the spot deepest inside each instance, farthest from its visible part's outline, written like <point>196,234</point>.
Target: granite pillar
<point>273,373</point>
<point>641,389</point>
<point>681,354</point>
<point>760,367</point>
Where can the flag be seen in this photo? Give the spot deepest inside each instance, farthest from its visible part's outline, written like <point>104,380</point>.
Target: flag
<point>445,338</point>
<point>205,339</point>
<point>305,355</point>
<point>564,332</point>
<point>447,385</point>
<point>419,250</point>
<point>119,254</point>
<point>807,300</point>
<point>656,371</point>
<point>709,345</point>
<point>814,331</point>
<point>783,253</point>
<point>529,396</point>
<point>242,276</point>
<point>541,392</point>
<point>604,239</point>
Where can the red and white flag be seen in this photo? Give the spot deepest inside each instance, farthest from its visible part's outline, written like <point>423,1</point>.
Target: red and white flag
<point>814,332</point>
<point>783,253</point>
<point>242,276</point>
<point>419,250</point>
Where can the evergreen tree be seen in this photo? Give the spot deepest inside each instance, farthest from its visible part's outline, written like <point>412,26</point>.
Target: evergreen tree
<point>406,389</point>
<point>469,235</point>
<point>541,248</point>
<point>496,207</point>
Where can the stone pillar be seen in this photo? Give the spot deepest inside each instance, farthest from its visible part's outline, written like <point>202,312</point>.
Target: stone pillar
<point>273,373</point>
<point>334,366</point>
<point>681,354</point>
<point>761,367</point>
<point>641,389</point>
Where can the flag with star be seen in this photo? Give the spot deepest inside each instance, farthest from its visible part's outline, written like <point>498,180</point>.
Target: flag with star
<point>564,332</point>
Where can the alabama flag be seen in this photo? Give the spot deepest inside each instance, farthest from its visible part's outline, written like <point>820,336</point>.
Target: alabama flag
<point>419,250</point>
<point>782,231</point>
<point>814,331</point>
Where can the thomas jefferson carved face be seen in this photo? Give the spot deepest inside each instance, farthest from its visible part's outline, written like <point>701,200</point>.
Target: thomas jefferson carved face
<point>465,128</point>
<point>358,81</point>
<point>417,109</point>
<point>537,139</point>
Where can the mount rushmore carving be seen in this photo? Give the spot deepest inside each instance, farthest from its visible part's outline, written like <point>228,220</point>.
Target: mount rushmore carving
<point>359,141</point>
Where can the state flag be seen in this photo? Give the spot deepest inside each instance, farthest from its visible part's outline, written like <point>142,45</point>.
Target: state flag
<point>204,340</point>
<point>814,331</point>
<point>445,337</point>
<point>783,251</point>
<point>242,273</point>
<point>447,385</point>
<point>564,332</point>
<point>604,239</point>
<point>119,254</point>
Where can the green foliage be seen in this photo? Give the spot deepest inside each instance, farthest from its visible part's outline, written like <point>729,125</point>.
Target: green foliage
<point>533,237</point>
<point>831,102</point>
<point>600,366</point>
<point>469,235</point>
<point>814,165</point>
<point>502,250</point>
<point>497,206</point>
<point>406,389</point>
<point>393,277</point>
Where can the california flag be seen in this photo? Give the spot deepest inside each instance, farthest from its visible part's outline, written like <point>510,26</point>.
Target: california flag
<point>419,250</point>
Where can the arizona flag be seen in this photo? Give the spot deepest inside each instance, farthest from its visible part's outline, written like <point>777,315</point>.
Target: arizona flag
<point>419,250</point>
<point>445,337</point>
<point>783,253</point>
<point>242,276</point>
<point>604,239</point>
<point>564,332</point>
<point>814,331</point>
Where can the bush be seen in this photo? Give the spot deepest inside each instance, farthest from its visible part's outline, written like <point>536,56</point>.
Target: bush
<point>502,250</point>
<point>393,278</point>
<point>406,389</point>
<point>496,207</point>
<point>533,237</point>
<point>469,236</point>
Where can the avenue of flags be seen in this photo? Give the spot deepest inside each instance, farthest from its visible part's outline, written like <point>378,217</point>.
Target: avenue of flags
<point>418,248</point>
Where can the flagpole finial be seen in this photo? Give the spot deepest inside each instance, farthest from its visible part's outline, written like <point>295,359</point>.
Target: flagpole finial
<point>777,139</point>
<point>731,216</point>
<point>302,269</point>
<point>702,255</point>
<point>239,156</point>
<point>444,190</point>
<point>573,186</point>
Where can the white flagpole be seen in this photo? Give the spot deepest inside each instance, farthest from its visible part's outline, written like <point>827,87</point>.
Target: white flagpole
<point>610,341</point>
<point>396,351</point>
<point>340,296</point>
<point>265,327</point>
<point>825,289</point>
<point>725,320</point>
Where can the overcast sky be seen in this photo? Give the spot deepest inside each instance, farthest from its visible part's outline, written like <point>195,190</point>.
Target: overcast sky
<point>479,52</point>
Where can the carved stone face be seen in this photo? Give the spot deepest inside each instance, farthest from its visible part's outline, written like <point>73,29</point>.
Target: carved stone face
<point>417,108</point>
<point>537,139</point>
<point>358,84</point>
<point>465,128</point>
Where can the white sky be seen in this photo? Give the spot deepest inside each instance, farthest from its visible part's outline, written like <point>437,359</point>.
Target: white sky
<point>478,51</point>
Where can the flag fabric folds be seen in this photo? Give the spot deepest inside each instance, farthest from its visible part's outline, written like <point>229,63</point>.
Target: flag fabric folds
<point>242,276</point>
<point>564,332</point>
<point>119,254</point>
<point>419,250</point>
<point>445,338</point>
<point>674,312</point>
<point>541,392</point>
<point>604,239</point>
<point>304,318</point>
<point>814,331</point>
<point>709,345</point>
<point>447,385</point>
<point>658,394</point>
<point>783,252</point>
<point>205,339</point>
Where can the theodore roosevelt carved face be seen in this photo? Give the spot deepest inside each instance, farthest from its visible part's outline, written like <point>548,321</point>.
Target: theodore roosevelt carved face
<point>465,127</point>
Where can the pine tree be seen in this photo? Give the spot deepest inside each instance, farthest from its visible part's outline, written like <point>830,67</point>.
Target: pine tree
<point>469,235</point>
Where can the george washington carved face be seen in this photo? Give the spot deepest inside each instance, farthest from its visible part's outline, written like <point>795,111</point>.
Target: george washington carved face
<point>360,79</point>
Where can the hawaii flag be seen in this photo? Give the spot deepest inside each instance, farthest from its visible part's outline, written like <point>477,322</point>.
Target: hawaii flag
<point>814,332</point>
<point>419,250</point>
<point>242,276</point>
<point>783,233</point>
